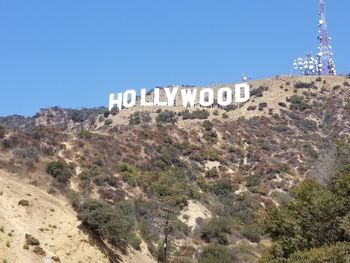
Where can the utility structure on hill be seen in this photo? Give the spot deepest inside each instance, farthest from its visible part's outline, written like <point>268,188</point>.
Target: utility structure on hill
<point>323,63</point>
<point>325,55</point>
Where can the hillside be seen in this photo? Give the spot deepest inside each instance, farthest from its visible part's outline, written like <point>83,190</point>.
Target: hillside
<point>100,185</point>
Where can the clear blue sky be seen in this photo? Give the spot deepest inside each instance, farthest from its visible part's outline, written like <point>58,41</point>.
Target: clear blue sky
<point>72,53</point>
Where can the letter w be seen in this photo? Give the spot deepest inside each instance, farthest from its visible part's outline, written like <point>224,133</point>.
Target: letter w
<point>188,97</point>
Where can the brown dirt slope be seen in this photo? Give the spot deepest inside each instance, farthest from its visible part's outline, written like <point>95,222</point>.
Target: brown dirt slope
<point>47,218</point>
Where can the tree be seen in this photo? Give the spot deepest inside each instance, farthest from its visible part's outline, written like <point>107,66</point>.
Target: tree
<point>337,253</point>
<point>311,219</point>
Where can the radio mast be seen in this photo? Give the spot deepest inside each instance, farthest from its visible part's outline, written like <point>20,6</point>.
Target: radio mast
<point>322,63</point>
<point>325,61</point>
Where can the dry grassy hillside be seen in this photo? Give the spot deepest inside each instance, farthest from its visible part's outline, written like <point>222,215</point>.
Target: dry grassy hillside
<point>217,170</point>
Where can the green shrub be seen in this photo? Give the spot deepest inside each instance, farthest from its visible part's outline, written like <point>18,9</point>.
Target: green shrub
<point>258,92</point>
<point>298,103</point>
<point>166,117</point>
<point>212,173</point>
<point>85,114</point>
<point>139,117</point>
<point>214,155</point>
<point>252,180</point>
<point>106,114</point>
<point>211,137</point>
<point>262,106</point>
<point>251,232</point>
<point>85,178</point>
<point>60,171</point>
<point>129,173</point>
<point>182,227</point>
<point>197,114</point>
<point>224,115</point>
<point>84,134</point>
<point>217,254</point>
<point>2,132</point>
<point>303,85</point>
<point>74,199</point>
<point>222,188</point>
<point>207,125</point>
<point>218,229</point>
<point>310,151</point>
<point>115,224</point>
<point>115,110</point>
<point>295,99</point>
<point>171,187</point>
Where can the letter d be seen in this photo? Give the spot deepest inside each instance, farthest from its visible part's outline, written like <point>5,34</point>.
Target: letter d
<point>242,92</point>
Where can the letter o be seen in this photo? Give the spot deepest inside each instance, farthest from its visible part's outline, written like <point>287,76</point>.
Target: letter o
<point>210,98</point>
<point>221,100</point>
<point>129,98</point>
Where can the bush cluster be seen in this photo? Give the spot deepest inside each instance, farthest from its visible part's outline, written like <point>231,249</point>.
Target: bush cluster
<point>262,105</point>
<point>139,117</point>
<point>217,253</point>
<point>2,132</point>
<point>85,114</point>
<point>298,103</point>
<point>115,224</point>
<point>61,171</point>
<point>166,117</point>
<point>304,85</point>
<point>217,229</point>
<point>197,114</point>
<point>207,125</point>
<point>258,92</point>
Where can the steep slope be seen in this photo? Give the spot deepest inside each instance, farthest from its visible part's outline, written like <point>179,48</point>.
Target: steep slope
<point>47,218</point>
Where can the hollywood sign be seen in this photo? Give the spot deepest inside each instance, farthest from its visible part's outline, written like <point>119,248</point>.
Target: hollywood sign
<point>204,96</point>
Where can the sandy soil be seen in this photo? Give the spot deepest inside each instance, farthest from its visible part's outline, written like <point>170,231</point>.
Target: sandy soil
<point>142,256</point>
<point>192,212</point>
<point>47,218</point>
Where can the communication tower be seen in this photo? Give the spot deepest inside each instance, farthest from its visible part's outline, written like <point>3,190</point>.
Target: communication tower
<point>325,55</point>
<point>322,63</point>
